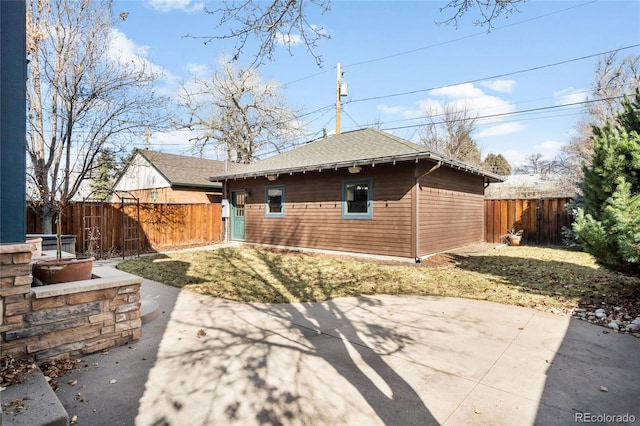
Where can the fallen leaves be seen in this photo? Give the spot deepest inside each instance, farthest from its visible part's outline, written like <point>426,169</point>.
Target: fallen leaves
<point>201,333</point>
<point>17,403</point>
<point>54,369</point>
<point>12,370</point>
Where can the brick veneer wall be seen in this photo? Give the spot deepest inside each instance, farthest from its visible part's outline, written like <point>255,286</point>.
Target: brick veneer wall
<point>58,321</point>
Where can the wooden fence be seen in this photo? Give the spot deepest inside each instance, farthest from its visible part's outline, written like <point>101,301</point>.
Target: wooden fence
<point>110,228</point>
<point>163,226</point>
<point>541,220</point>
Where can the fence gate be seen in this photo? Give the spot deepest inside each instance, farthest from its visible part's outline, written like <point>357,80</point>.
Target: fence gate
<point>101,221</point>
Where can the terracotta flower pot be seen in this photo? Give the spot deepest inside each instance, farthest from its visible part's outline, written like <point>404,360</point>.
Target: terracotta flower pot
<point>514,240</point>
<point>37,243</point>
<point>62,271</point>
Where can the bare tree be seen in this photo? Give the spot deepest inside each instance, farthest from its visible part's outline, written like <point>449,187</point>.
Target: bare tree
<point>449,132</point>
<point>235,110</point>
<point>489,10</point>
<point>613,79</point>
<point>535,164</point>
<point>79,99</point>
<point>286,22</point>
<point>272,24</point>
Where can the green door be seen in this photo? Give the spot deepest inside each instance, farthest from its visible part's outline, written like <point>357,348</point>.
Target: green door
<point>237,215</point>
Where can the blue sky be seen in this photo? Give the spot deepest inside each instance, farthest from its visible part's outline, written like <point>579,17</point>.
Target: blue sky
<point>390,48</point>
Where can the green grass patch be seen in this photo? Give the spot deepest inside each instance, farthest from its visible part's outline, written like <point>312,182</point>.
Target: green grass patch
<point>525,276</point>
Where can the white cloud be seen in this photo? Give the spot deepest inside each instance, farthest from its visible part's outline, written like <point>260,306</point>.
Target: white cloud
<point>459,91</point>
<point>505,86</point>
<point>501,130</point>
<point>570,96</point>
<point>125,52</point>
<point>402,111</point>
<point>286,39</point>
<point>549,149</point>
<point>462,97</point>
<point>198,70</point>
<point>184,5</point>
<point>177,141</point>
<point>515,157</point>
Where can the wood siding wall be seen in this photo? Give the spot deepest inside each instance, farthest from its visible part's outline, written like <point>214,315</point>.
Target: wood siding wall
<point>313,212</point>
<point>161,225</point>
<point>451,210</point>
<point>541,219</point>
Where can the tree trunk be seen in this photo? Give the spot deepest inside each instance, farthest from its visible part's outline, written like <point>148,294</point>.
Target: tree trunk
<point>46,220</point>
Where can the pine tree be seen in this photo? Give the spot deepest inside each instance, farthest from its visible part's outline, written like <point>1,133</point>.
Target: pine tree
<point>608,217</point>
<point>105,175</point>
<point>497,164</point>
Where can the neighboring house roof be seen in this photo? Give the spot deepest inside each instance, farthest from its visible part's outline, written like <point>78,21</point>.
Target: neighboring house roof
<point>532,186</point>
<point>179,170</point>
<point>359,147</point>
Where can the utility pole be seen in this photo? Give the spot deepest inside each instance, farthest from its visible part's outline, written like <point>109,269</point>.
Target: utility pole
<point>341,90</point>
<point>338,81</point>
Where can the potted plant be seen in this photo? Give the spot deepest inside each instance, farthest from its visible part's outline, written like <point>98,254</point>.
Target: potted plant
<point>61,269</point>
<point>513,237</point>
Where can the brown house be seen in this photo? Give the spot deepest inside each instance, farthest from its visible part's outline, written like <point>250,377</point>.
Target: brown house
<point>364,191</point>
<point>156,177</point>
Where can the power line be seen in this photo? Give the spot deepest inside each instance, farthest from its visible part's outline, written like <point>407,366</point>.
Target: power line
<point>329,107</point>
<point>411,92</point>
<point>466,37</point>
<point>347,114</point>
<point>508,114</point>
<point>406,52</point>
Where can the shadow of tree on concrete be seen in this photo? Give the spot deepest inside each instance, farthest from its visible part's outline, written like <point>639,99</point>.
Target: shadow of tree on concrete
<point>270,363</point>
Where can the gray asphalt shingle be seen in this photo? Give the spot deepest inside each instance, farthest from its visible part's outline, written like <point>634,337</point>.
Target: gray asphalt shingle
<point>359,146</point>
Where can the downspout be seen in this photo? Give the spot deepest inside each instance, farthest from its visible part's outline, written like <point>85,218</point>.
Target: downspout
<point>416,197</point>
<point>225,189</point>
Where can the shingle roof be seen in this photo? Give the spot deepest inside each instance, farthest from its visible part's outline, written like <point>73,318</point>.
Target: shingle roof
<point>181,170</point>
<point>357,147</point>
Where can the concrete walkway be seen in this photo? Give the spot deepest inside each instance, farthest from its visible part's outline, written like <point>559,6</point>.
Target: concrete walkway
<point>354,361</point>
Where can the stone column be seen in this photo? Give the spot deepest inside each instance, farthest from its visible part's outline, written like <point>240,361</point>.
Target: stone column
<point>15,287</point>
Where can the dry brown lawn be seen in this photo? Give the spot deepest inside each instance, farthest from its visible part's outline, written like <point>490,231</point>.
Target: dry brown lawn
<point>542,278</point>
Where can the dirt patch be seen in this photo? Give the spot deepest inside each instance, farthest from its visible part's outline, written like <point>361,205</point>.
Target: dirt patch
<point>431,261</point>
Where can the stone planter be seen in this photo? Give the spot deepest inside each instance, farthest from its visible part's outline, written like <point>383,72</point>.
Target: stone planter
<point>62,271</point>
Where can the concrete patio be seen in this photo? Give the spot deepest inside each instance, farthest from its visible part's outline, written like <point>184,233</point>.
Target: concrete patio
<point>365,360</point>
